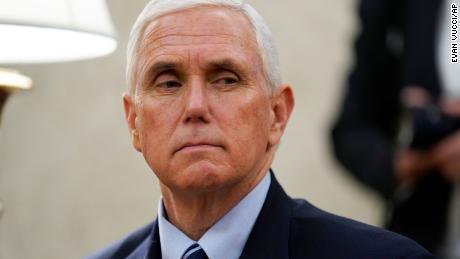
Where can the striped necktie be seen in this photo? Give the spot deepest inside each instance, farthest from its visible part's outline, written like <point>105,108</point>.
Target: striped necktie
<point>195,252</point>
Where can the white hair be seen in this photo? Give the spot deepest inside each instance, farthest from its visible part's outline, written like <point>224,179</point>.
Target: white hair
<point>156,8</point>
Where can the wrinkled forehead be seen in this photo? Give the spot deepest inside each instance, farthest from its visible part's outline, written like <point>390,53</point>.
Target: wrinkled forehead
<point>201,24</point>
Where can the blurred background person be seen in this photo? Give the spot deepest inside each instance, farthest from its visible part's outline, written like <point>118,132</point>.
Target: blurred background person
<point>398,130</point>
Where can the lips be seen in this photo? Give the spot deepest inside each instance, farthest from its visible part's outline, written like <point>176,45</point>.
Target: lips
<point>198,145</point>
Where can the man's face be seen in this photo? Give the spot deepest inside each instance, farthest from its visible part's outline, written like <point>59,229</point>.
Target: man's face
<point>202,115</point>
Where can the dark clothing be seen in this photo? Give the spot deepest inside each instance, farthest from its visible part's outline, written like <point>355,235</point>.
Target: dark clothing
<point>395,48</point>
<point>289,228</point>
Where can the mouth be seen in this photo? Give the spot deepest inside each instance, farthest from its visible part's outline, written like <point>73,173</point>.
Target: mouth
<point>200,146</point>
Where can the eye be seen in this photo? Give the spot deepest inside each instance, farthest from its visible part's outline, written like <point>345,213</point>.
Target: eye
<point>167,82</point>
<point>226,82</point>
<point>226,79</point>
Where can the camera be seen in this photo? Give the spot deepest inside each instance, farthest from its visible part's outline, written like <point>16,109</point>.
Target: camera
<point>429,125</point>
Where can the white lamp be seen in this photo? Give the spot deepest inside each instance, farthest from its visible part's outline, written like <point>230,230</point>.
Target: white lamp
<point>36,31</point>
<point>40,31</point>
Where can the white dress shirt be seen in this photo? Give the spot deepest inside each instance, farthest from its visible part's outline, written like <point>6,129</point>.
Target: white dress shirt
<point>225,239</point>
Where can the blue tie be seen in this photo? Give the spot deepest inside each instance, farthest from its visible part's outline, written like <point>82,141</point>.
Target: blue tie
<point>195,252</point>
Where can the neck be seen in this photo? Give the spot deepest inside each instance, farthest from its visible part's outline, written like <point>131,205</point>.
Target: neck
<point>195,213</point>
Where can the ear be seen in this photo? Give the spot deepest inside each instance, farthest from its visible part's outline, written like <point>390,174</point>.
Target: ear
<point>131,116</point>
<point>281,109</point>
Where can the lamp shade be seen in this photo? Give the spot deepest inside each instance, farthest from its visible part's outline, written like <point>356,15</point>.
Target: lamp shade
<point>36,31</point>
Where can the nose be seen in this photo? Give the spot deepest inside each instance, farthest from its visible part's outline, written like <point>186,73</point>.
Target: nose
<point>196,103</point>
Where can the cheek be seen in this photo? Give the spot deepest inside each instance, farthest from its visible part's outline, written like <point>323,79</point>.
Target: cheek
<point>155,130</point>
<point>248,121</point>
<point>158,117</point>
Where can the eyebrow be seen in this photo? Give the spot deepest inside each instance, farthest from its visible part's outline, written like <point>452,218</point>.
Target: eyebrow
<point>162,66</point>
<point>225,64</point>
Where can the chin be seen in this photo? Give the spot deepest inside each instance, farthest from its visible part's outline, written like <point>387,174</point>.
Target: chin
<point>205,176</point>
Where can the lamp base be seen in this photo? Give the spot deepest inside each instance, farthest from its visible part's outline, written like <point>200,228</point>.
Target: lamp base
<point>3,97</point>
<point>10,81</point>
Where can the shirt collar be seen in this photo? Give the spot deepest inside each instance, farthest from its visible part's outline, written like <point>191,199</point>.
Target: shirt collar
<point>226,238</point>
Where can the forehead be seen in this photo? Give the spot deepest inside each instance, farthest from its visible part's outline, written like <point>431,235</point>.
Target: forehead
<point>197,27</point>
<point>210,19</point>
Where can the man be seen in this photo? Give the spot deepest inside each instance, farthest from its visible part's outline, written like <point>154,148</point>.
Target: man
<point>403,70</point>
<point>207,109</point>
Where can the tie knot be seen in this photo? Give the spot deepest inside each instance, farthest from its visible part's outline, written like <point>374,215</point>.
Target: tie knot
<point>195,252</point>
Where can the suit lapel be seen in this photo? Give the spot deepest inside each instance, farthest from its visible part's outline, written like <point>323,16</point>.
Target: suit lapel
<point>154,250</point>
<point>269,237</point>
<point>149,248</point>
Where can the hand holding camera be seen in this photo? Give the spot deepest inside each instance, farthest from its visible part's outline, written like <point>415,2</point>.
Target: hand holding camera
<point>435,137</point>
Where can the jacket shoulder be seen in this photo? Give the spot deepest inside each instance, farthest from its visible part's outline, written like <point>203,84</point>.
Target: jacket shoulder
<point>317,233</point>
<point>125,246</point>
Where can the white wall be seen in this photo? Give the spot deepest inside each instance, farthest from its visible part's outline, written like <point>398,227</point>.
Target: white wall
<point>71,182</point>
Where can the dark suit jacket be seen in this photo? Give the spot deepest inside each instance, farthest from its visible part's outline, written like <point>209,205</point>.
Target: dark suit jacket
<point>395,47</point>
<point>289,228</point>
